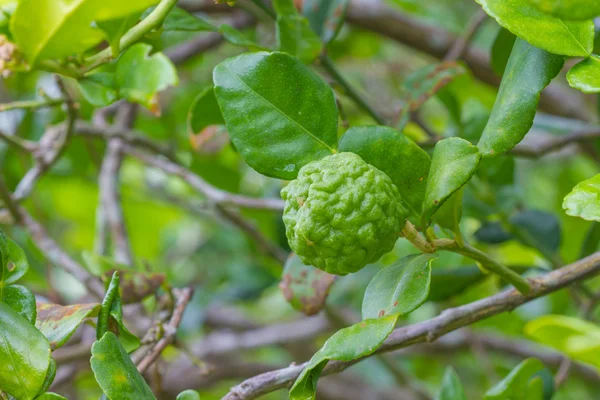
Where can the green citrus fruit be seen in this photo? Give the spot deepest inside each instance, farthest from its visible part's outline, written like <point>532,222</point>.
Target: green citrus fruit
<point>342,213</point>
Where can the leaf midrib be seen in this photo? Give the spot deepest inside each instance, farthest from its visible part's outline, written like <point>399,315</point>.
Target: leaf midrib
<point>322,143</point>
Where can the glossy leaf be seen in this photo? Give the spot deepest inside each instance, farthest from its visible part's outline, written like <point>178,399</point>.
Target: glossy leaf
<point>356,341</point>
<point>50,375</point>
<point>578,339</point>
<point>99,88</point>
<point>451,388</point>
<point>400,288</point>
<point>453,163</point>
<point>188,395</point>
<point>20,299</point>
<point>326,17</point>
<point>522,382</point>
<point>528,72</point>
<point>305,287</point>
<point>294,34</point>
<point>24,355</point>
<point>58,323</point>
<point>585,75</point>
<point>396,155</point>
<point>204,112</point>
<point>569,9</point>
<point>294,114</point>
<point>110,316</point>
<point>446,283</point>
<point>569,38</point>
<point>59,28</point>
<point>140,76</point>
<point>501,49</point>
<point>111,296</point>
<point>115,372</point>
<point>584,200</point>
<point>14,262</point>
<point>180,20</point>
<point>423,84</point>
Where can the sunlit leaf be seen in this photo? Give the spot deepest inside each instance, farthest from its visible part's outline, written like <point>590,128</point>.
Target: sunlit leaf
<point>569,9</point>
<point>584,200</point>
<point>14,262</point>
<point>20,299</point>
<point>585,75</point>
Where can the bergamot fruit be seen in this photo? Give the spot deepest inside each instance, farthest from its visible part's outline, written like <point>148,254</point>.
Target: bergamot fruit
<point>342,213</point>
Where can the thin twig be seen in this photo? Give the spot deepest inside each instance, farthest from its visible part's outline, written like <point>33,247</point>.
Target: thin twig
<point>461,44</point>
<point>429,330</point>
<point>183,297</point>
<point>31,104</point>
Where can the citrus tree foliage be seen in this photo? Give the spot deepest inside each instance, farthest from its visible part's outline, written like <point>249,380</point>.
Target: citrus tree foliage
<point>219,200</point>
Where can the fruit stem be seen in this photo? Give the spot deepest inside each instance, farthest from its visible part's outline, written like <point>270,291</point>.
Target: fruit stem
<point>412,235</point>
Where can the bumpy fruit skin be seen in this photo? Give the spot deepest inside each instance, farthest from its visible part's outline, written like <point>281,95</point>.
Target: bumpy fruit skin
<point>342,213</point>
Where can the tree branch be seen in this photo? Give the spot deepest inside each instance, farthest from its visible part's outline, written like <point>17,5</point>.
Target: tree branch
<point>427,331</point>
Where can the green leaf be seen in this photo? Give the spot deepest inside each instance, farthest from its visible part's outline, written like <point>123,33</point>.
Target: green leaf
<point>294,114</point>
<point>140,76</point>
<point>325,17</point>
<point>20,299</point>
<point>98,88</point>
<point>58,323</point>
<point>294,36</point>
<point>584,200</point>
<point>237,38</point>
<point>50,375</point>
<point>591,242</point>
<point>569,9</point>
<point>115,372</point>
<point>522,382</point>
<point>501,49</point>
<point>204,112</point>
<point>537,229</point>
<point>450,213</point>
<point>50,396</point>
<point>112,295</point>
<point>24,355</point>
<point>585,75</point>
<point>351,343</point>
<point>396,155</point>
<point>14,262</point>
<point>59,28</point>
<point>305,287</point>
<point>188,395</point>
<point>569,38</point>
<point>446,283</point>
<point>453,163</point>
<point>400,288</point>
<point>423,84</point>
<point>180,20</point>
<point>492,233</point>
<point>451,388</point>
<point>578,339</point>
<point>528,72</point>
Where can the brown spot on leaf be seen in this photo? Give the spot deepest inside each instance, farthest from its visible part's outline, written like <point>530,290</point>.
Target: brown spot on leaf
<point>10,266</point>
<point>396,303</point>
<point>381,313</point>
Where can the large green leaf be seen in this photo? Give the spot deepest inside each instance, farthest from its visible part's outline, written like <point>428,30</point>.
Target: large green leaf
<point>584,200</point>
<point>289,115</point>
<point>115,372</point>
<point>528,72</point>
<point>523,382</point>
<point>294,34</point>
<point>396,155</point>
<point>139,76</point>
<point>325,17</point>
<point>20,299</point>
<point>569,38</point>
<point>400,288</point>
<point>451,388</point>
<point>358,340</point>
<point>305,287</point>
<point>13,261</point>
<point>585,75</point>
<point>50,375</point>
<point>50,396</point>
<point>58,323</point>
<point>569,9</point>
<point>453,163</point>
<point>24,355</point>
<point>578,339</point>
<point>59,28</point>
